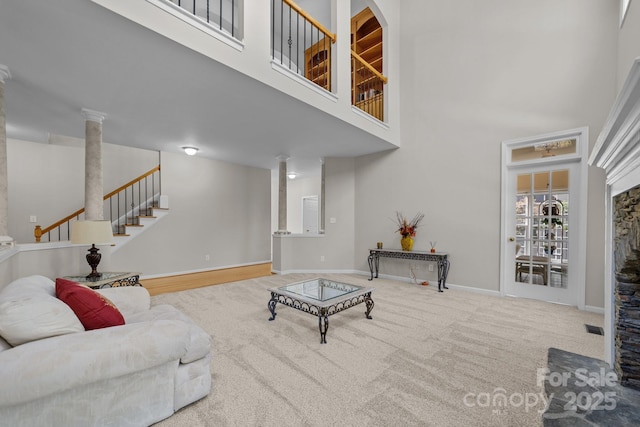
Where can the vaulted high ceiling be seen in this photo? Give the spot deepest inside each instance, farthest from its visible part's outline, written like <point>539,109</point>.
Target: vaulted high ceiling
<point>158,95</point>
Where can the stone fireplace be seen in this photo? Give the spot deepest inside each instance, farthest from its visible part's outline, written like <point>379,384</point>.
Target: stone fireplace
<point>626,306</point>
<point>617,151</point>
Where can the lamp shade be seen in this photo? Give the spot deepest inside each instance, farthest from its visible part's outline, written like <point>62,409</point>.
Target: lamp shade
<point>91,232</point>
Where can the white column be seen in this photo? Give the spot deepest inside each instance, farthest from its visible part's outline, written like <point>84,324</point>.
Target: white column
<point>93,192</point>
<point>282,195</point>
<point>322,197</point>
<point>4,177</point>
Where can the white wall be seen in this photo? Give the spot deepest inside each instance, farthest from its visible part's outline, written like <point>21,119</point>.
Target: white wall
<point>475,74</point>
<point>215,208</point>
<point>628,42</point>
<point>47,180</point>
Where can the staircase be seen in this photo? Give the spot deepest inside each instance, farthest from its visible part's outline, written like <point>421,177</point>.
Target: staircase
<point>127,232</point>
<point>132,209</point>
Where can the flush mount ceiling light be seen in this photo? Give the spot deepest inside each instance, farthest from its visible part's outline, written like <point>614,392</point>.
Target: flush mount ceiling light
<point>190,151</point>
<point>291,175</point>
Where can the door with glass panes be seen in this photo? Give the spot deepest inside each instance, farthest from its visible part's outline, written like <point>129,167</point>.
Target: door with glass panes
<point>540,225</point>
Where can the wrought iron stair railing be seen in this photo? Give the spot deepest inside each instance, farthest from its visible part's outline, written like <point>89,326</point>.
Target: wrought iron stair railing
<point>220,14</point>
<point>125,206</point>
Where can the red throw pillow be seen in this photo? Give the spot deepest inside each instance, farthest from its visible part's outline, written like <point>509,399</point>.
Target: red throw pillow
<point>94,310</point>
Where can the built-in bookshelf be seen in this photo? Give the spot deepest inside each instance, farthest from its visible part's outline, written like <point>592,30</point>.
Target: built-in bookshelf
<point>366,46</point>
<point>318,63</point>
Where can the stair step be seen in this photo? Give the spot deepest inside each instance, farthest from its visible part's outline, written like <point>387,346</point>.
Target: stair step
<point>147,216</point>
<point>120,235</point>
<point>133,225</point>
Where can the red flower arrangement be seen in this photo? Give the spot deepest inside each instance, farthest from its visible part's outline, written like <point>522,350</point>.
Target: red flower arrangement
<point>408,228</point>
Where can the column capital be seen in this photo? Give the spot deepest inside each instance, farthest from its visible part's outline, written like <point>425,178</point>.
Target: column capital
<point>6,241</point>
<point>5,74</point>
<point>93,116</point>
<point>282,158</point>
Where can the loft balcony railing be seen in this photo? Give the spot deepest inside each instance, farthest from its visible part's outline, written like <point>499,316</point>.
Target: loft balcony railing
<point>124,206</point>
<point>301,43</point>
<point>220,14</point>
<point>367,87</point>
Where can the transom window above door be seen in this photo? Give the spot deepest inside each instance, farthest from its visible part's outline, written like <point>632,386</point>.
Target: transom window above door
<point>544,150</point>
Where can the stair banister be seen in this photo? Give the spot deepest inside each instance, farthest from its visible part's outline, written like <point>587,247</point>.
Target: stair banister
<point>310,18</point>
<point>369,67</point>
<point>39,231</point>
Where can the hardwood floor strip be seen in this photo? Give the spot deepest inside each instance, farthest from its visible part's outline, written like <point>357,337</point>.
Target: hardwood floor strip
<point>181,282</point>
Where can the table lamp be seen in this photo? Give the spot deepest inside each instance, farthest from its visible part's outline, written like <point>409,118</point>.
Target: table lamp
<point>92,232</point>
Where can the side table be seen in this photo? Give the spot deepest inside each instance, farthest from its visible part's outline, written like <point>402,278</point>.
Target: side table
<point>108,280</point>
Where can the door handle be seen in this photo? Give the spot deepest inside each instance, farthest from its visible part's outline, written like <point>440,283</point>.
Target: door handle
<point>511,239</point>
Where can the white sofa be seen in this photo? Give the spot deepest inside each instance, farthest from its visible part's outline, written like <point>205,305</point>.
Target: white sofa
<point>54,373</point>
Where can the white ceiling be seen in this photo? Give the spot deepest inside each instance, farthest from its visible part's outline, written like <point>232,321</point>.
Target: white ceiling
<point>72,54</point>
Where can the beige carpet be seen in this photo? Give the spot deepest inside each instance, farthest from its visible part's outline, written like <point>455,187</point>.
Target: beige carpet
<point>425,359</point>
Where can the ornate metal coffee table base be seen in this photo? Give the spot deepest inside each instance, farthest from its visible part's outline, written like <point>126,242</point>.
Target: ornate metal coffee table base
<point>322,309</point>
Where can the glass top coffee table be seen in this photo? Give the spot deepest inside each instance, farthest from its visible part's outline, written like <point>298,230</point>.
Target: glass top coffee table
<point>322,298</point>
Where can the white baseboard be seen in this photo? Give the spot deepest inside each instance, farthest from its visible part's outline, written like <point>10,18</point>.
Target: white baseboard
<point>473,290</point>
<point>317,272</point>
<point>592,309</point>
<point>451,286</point>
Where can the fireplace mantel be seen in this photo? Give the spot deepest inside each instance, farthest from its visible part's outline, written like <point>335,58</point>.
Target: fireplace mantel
<point>617,148</point>
<point>617,151</point>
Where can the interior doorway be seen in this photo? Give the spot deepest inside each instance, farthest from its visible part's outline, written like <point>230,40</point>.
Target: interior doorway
<point>543,217</point>
<point>310,215</point>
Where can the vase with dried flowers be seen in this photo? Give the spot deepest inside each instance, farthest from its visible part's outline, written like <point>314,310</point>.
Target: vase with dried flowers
<point>407,229</point>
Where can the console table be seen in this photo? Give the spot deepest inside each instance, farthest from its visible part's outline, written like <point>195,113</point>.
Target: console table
<point>108,280</point>
<point>439,257</point>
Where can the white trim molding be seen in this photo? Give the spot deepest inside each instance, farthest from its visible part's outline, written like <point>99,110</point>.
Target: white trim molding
<point>620,132</point>
<point>577,163</point>
<point>617,151</point>
<point>284,70</point>
<point>93,116</point>
<point>624,8</point>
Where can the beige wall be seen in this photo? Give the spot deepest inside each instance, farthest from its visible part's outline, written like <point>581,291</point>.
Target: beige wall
<point>296,190</point>
<point>47,180</point>
<point>473,75</point>
<point>215,208</point>
<point>49,262</point>
<point>303,253</point>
